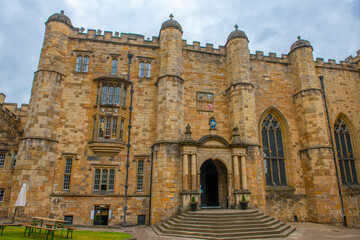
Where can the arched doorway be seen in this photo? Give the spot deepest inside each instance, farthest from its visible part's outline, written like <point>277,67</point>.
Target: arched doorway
<point>213,184</point>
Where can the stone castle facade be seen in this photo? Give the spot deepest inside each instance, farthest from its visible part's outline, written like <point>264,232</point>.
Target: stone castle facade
<point>215,124</point>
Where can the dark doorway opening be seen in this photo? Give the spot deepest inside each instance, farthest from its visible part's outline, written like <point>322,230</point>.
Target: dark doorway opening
<point>209,184</point>
<point>101,215</point>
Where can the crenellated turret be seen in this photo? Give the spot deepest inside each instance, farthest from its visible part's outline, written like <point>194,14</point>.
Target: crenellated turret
<point>38,148</point>
<point>170,112</point>
<point>241,89</point>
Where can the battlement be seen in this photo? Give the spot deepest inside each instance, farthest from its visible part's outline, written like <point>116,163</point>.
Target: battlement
<point>129,38</point>
<point>349,63</point>
<point>208,49</point>
<point>259,55</point>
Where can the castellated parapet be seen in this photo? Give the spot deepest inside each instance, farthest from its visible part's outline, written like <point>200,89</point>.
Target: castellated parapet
<point>254,122</point>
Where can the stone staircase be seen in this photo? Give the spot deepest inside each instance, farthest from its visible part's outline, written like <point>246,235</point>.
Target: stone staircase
<point>224,224</point>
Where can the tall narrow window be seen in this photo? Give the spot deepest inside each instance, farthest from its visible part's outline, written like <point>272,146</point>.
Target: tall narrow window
<point>111,95</point>
<point>2,159</point>
<point>101,128</point>
<point>114,128</point>
<point>14,159</point>
<point>121,129</point>
<point>148,70</point>
<point>114,67</point>
<point>117,95</point>
<point>104,177</point>
<point>111,180</point>
<point>67,174</point>
<point>124,97</point>
<point>345,153</point>
<point>2,195</point>
<point>273,152</point>
<point>107,128</point>
<point>140,177</point>
<point>85,67</point>
<point>104,95</point>
<point>97,180</point>
<point>141,69</point>
<point>78,63</point>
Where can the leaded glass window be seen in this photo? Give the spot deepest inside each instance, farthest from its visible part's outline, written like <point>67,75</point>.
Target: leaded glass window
<point>148,70</point>
<point>104,180</point>
<point>2,159</point>
<point>345,153</point>
<point>85,67</point>
<point>67,174</point>
<point>141,69</point>
<point>273,152</point>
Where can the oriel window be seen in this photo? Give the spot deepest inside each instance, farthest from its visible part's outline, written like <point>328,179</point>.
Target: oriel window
<point>345,153</point>
<point>273,152</point>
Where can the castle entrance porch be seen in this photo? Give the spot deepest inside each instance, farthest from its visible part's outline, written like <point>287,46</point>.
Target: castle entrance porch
<point>213,184</point>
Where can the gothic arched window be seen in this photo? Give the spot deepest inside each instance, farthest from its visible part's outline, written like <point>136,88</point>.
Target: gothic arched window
<point>345,153</point>
<point>273,152</point>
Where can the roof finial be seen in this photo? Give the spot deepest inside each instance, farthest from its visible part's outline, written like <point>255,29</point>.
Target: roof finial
<point>62,12</point>
<point>236,27</point>
<point>171,16</point>
<point>298,37</point>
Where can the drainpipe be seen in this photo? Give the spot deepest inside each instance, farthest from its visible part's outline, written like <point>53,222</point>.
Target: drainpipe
<point>151,176</point>
<point>128,145</point>
<point>333,150</point>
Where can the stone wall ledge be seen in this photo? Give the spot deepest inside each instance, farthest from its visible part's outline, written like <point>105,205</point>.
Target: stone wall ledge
<point>279,190</point>
<point>98,194</point>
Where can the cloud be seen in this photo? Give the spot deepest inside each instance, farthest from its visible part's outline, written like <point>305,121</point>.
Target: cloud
<point>271,26</point>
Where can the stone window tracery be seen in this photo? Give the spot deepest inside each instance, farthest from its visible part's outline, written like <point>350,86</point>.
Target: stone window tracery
<point>345,153</point>
<point>273,152</point>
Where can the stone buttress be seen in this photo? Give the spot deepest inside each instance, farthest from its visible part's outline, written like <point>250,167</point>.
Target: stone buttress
<point>38,148</point>
<point>166,179</point>
<point>316,153</point>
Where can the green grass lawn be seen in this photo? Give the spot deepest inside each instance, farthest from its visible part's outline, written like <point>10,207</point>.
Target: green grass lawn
<point>18,233</point>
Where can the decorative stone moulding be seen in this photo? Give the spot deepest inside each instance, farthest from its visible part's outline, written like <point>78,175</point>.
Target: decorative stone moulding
<point>106,148</point>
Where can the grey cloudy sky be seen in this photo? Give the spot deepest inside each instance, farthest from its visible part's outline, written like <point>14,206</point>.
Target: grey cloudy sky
<point>332,27</point>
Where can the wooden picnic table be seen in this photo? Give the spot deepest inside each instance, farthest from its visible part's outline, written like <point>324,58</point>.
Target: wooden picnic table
<point>57,224</point>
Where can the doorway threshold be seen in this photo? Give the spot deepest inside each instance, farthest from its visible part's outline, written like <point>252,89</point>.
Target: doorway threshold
<point>211,207</point>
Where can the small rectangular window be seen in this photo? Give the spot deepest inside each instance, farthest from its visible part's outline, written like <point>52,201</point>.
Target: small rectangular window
<point>111,180</point>
<point>2,194</point>
<point>140,167</point>
<point>69,220</point>
<point>2,159</point>
<point>104,179</point>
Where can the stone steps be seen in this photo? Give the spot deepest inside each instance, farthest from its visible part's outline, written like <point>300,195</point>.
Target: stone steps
<point>224,224</point>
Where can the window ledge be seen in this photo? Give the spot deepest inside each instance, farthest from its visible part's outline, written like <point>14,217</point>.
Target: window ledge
<point>279,190</point>
<point>106,148</point>
<point>351,189</point>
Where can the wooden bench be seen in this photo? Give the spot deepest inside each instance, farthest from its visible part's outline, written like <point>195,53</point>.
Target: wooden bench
<point>69,229</point>
<point>3,225</point>
<point>49,231</point>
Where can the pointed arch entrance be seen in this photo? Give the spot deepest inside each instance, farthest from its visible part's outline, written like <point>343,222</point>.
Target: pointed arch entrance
<point>213,184</point>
